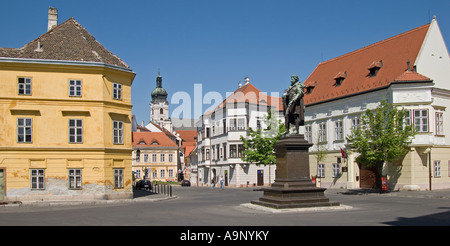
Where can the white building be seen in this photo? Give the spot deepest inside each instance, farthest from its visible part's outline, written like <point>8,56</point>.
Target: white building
<point>409,70</point>
<point>219,146</point>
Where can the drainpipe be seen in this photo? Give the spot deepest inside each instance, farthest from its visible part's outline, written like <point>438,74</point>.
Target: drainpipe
<point>429,169</point>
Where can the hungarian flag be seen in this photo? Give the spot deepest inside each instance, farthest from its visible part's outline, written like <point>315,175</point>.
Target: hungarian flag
<point>344,155</point>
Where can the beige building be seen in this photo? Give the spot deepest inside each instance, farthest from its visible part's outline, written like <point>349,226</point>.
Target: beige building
<point>155,156</point>
<point>65,123</point>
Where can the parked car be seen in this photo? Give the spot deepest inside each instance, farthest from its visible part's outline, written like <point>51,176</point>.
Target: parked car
<point>185,183</point>
<point>144,184</point>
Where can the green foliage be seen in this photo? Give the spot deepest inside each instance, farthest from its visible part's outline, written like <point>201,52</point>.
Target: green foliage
<point>382,136</point>
<point>258,147</point>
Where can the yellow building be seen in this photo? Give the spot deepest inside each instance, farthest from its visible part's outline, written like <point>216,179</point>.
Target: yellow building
<point>155,156</point>
<point>65,118</point>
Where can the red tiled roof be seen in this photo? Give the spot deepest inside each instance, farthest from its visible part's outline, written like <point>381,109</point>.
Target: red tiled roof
<point>411,76</point>
<point>152,139</point>
<point>187,135</point>
<point>249,93</point>
<point>390,56</point>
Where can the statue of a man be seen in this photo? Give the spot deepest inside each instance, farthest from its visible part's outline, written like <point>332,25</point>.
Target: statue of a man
<point>293,106</point>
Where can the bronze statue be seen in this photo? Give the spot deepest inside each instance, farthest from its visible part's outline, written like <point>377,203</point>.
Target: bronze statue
<point>293,106</point>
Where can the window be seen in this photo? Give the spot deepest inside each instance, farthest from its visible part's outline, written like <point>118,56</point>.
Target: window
<point>138,174</point>
<point>75,88</point>
<point>153,157</point>
<point>118,178</point>
<point>118,132</point>
<point>439,123</point>
<point>339,130</point>
<point>258,125</point>
<point>321,170</point>
<point>162,174</point>
<point>240,148</point>
<point>437,169</point>
<point>407,119</point>
<point>138,156</point>
<point>207,154</point>
<point>241,124</point>
<point>336,170</point>
<point>323,132</point>
<point>170,157</point>
<point>233,151</point>
<point>224,151</point>
<point>145,157</point>
<point>117,91</point>
<point>161,111</point>
<point>162,158</point>
<point>170,173</point>
<point>24,86</point>
<point>74,179</point>
<point>421,120</point>
<point>37,178</point>
<point>308,133</point>
<point>24,130</point>
<point>75,131</point>
<point>232,124</point>
<point>356,123</point>
<point>154,173</point>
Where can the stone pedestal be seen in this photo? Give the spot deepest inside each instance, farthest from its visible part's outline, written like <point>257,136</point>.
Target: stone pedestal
<point>293,187</point>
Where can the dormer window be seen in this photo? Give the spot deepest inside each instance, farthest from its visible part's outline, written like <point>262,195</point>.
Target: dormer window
<point>339,78</point>
<point>374,68</point>
<point>310,86</point>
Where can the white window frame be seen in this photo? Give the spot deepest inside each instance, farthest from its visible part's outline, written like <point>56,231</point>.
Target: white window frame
<point>421,121</point>
<point>162,157</point>
<point>75,179</point>
<point>339,130</point>
<point>356,123</point>
<point>118,178</point>
<point>76,130</point>
<point>24,130</point>
<point>321,170</point>
<point>437,169</point>
<point>75,88</point>
<point>170,157</point>
<point>336,168</point>
<point>155,173</point>
<point>117,132</point>
<point>322,132</point>
<point>170,173</point>
<point>24,87</point>
<point>241,124</point>
<point>145,157</point>
<point>138,173</point>
<point>117,91</point>
<point>154,158</point>
<point>439,123</point>
<point>162,173</point>
<point>37,179</point>
<point>308,133</point>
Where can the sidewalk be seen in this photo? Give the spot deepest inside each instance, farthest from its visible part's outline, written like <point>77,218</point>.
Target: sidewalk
<point>437,194</point>
<point>138,196</point>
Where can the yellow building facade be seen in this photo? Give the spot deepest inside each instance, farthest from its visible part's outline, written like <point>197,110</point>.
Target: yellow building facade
<point>65,119</point>
<point>155,157</point>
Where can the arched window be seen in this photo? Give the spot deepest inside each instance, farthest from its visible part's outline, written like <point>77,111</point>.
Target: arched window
<point>161,111</point>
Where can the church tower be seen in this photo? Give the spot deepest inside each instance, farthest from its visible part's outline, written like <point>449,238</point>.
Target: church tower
<point>159,106</point>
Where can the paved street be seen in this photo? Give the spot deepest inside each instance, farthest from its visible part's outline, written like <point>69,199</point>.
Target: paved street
<point>195,206</point>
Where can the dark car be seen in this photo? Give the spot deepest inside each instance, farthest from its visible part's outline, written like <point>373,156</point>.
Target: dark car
<point>144,184</point>
<point>185,183</point>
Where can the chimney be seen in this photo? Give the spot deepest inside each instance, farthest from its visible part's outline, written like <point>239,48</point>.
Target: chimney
<point>52,18</point>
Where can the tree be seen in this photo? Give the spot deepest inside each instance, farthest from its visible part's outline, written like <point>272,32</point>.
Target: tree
<point>258,147</point>
<point>382,136</point>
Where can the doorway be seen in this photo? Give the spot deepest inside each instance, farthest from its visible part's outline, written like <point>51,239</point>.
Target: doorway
<point>369,178</point>
<point>260,178</point>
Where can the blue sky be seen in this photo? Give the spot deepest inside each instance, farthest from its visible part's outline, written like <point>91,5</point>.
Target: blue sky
<point>216,43</point>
